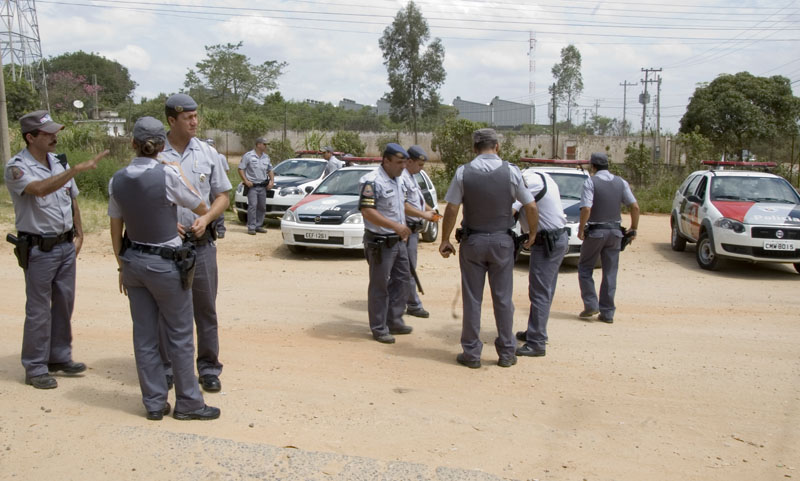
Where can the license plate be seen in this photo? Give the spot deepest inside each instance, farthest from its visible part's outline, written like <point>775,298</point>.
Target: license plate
<point>316,235</point>
<point>778,246</point>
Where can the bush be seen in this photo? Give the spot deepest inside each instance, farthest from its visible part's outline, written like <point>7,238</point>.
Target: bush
<point>637,161</point>
<point>279,150</point>
<point>385,139</point>
<point>453,141</point>
<point>657,198</point>
<point>348,142</point>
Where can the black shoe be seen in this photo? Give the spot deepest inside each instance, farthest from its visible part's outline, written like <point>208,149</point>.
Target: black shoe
<point>158,415</point>
<point>401,330</point>
<point>170,381</point>
<point>605,319</point>
<point>221,235</point>
<point>587,313</point>
<point>384,338</point>
<point>530,351</point>
<point>507,361</point>
<point>418,312</point>
<point>251,232</point>
<point>521,336</point>
<point>205,413</point>
<point>210,383</point>
<point>261,230</point>
<point>44,381</point>
<point>70,367</point>
<point>462,359</point>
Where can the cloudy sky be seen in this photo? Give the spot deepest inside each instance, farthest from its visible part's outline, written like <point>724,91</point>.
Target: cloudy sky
<point>332,46</point>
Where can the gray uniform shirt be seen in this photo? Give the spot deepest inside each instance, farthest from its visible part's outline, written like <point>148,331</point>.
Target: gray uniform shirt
<point>413,193</point>
<point>332,166</point>
<point>200,164</point>
<point>488,163</point>
<point>51,213</point>
<point>256,168</point>
<point>551,210</point>
<point>177,191</point>
<point>389,198</point>
<point>587,196</point>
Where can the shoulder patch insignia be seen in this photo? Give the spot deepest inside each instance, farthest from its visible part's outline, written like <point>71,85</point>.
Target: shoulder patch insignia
<point>367,197</point>
<point>16,172</point>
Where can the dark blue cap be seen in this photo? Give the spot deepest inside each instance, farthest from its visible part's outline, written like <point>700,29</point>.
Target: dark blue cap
<point>392,149</point>
<point>181,103</point>
<point>147,128</point>
<point>417,152</point>
<point>599,158</point>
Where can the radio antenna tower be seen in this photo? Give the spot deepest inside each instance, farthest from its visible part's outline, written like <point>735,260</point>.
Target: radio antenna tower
<point>532,73</point>
<point>20,44</point>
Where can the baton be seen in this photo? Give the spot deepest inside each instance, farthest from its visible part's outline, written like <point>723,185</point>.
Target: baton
<point>416,279</point>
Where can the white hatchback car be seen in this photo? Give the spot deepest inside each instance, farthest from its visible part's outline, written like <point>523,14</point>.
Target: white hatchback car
<point>570,185</point>
<point>745,215</point>
<point>294,179</point>
<point>329,216</point>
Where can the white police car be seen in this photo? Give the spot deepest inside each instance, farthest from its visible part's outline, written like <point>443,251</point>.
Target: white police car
<point>294,179</point>
<point>570,185</point>
<point>329,216</point>
<point>745,215</point>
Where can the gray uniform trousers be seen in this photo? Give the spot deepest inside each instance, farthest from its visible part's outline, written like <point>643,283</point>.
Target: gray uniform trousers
<point>50,297</point>
<point>256,206</point>
<point>219,225</point>
<point>388,288</point>
<point>204,302</point>
<point>542,279</point>
<point>479,255</point>
<point>605,244</point>
<point>159,305</point>
<point>414,301</point>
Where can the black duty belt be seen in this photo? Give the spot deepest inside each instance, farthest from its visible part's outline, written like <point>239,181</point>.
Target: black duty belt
<point>163,251</point>
<point>387,239</point>
<point>260,184</point>
<point>46,242</point>
<point>555,233</point>
<point>603,225</point>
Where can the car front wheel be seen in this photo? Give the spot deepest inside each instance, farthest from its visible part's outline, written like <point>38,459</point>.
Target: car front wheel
<point>431,233</point>
<point>677,241</point>
<point>295,249</point>
<point>797,267</point>
<point>706,257</point>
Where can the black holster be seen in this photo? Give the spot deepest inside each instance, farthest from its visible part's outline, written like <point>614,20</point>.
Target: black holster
<point>627,238</point>
<point>461,234</point>
<point>518,241</point>
<point>416,226</point>
<point>186,260</point>
<point>22,248</point>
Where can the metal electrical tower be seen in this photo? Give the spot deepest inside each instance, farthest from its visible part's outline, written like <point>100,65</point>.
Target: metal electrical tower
<point>532,73</point>
<point>20,44</point>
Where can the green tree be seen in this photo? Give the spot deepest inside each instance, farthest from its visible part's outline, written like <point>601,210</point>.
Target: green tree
<point>113,79</point>
<point>453,141</point>
<point>226,75</point>
<point>637,160</point>
<point>21,97</point>
<point>569,81</point>
<point>349,142</point>
<point>735,111</point>
<point>696,147</point>
<point>414,75</point>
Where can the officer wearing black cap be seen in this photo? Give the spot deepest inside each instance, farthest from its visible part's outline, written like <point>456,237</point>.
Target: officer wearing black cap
<point>601,200</point>
<point>416,210</point>
<point>333,164</point>
<point>219,224</point>
<point>487,186</point>
<point>200,164</point>
<point>256,172</point>
<point>49,238</point>
<point>382,204</point>
<point>142,200</point>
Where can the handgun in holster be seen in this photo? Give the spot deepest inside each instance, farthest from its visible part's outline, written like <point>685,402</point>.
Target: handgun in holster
<point>627,237</point>
<point>22,248</point>
<point>518,241</point>
<point>186,260</point>
<point>460,235</point>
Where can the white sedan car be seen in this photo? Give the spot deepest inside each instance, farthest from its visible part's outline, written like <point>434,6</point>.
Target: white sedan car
<point>294,179</point>
<point>329,216</point>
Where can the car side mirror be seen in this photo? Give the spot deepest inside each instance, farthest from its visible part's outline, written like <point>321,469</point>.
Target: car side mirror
<point>309,189</point>
<point>695,199</point>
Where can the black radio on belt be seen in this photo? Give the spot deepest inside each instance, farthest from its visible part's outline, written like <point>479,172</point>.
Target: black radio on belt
<point>414,225</point>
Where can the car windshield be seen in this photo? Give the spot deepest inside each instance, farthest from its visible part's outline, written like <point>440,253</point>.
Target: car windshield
<point>341,182</point>
<point>753,189</point>
<point>569,185</point>
<point>309,169</point>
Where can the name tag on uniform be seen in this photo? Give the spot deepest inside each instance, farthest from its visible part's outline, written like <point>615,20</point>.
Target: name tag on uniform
<point>389,191</point>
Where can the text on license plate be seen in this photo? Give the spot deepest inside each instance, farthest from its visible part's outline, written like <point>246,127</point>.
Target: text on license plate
<point>321,235</point>
<point>778,246</point>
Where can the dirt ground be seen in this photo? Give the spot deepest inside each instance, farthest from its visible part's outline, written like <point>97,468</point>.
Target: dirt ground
<point>698,378</point>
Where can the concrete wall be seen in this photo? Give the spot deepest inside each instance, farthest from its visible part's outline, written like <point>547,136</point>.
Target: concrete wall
<point>229,143</point>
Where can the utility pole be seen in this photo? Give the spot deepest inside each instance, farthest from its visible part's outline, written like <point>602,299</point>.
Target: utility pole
<point>553,156</point>
<point>4,136</point>
<point>96,108</point>
<point>657,149</point>
<point>596,112</point>
<point>625,86</point>
<point>645,98</point>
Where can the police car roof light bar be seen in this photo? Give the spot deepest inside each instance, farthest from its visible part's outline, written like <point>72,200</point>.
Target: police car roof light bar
<point>363,160</point>
<point>315,152</point>
<point>722,164</point>
<point>531,160</point>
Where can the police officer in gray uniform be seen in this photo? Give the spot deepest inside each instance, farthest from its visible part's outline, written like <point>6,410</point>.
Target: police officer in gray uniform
<point>49,238</point>
<point>333,164</point>
<point>488,187</point>
<point>603,195</point>
<point>382,204</point>
<point>256,172</point>
<point>549,247</point>
<point>416,211</point>
<point>200,164</point>
<point>219,224</point>
<point>142,200</point>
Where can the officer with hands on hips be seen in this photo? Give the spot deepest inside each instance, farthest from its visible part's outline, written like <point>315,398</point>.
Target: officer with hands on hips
<point>49,238</point>
<point>549,247</point>
<point>256,172</point>
<point>487,186</point>
<point>382,204</point>
<point>143,199</point>
<point>416,210</point>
